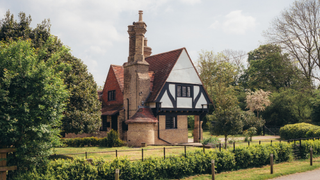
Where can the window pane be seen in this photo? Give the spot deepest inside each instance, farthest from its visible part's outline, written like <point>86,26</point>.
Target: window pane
<point>184,91</point>
<point>179,91</point>
<point>188,91</point>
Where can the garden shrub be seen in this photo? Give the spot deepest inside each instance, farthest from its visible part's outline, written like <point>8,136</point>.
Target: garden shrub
<point>299,130</point>
<point>112,140</point>
<point>158,168</point>
<point>304,149</point>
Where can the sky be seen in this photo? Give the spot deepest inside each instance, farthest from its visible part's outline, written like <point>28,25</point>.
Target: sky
<point>96,30</point>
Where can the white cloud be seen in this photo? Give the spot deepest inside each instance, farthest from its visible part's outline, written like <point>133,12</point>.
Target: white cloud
<point>215,25</point>
<point>237,23</point>
<point>190,1</point>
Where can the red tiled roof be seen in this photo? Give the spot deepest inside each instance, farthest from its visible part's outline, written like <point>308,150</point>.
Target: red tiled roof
<point>119,73</point>
<point>111,109</point>
<point>161,65</point>
<point>143,115</point>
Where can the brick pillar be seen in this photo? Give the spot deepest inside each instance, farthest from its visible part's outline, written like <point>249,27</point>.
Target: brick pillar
<point>196,129</point>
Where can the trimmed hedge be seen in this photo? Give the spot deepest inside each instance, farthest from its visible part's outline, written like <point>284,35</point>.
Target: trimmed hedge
<point>299,130</point>
<point>112,140</point>
<point>304,150</point>
<point>158,168</point>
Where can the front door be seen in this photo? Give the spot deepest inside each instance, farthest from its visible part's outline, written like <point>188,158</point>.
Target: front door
<point>114,122</point>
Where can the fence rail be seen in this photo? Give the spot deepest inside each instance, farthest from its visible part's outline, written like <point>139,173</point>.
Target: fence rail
<point>218,146</point>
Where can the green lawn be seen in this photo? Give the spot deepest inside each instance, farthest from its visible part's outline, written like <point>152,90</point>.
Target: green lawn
<point>131,153</point>
<point>261,173</point>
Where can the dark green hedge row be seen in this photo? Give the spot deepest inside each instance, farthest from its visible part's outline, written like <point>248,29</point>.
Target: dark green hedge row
<point>299,130</point>
<point>112,140</point>
<point>159,168</point>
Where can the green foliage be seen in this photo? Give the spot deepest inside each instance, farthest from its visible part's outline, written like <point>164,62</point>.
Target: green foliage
<point>32,101</point>
<point>112,140</point>
<point>288,106</point>
<point>159,168</point>
<point>299,130</point>
<point>271,70</point>
<point>211,140</point>
<point>315,101</point>
<point>191,122</point>
<point>304,150</point>
<point>82,113</point>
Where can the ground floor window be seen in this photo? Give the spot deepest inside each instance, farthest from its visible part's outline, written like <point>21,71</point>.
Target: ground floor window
<point>105,124</point>
<point>171,122</point>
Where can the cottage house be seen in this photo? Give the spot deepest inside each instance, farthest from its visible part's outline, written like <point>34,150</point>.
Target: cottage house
<point>148,98</point>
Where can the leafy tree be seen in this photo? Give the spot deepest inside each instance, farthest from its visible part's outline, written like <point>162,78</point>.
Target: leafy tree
<point>227,121</point>
<point>82,114</point>
<point>218,77</point>
<point>297,31</point>
<point>289,106</point>
<point>32,101</point>
<point>270,70</point>
<point>315,102</point>
<point>258,100</point>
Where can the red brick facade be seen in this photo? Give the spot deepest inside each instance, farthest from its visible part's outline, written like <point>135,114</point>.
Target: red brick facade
<point>113,84</point>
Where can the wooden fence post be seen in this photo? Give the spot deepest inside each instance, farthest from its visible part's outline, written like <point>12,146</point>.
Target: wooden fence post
<point>234,146</point>
<point>117,174</point>
<point>164,152</point>
<point>212,170</point>
<point>116,153</point>
<point>248,143</point>
<point>142,153</point>
<point>86,155</point>
<point>220,147</point>
<point>259,142</point>
<point>311,152</point>
<point>271,163</point>
<point>3,163</point>
<point>204,151</point>
<point>185,151</point>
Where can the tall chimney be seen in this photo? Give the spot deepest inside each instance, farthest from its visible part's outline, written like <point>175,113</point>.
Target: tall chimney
<point>147,49</point>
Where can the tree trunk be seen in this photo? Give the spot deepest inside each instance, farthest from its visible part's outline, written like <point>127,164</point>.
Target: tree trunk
<point>225,141</point>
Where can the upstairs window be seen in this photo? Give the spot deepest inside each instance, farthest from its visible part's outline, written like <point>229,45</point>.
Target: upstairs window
<point>171,122</point>
<point>111,95</point>
<point>183,91</point>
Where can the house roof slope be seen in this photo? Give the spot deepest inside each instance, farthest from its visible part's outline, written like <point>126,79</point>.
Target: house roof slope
<point>161,65</point>
<point>143,115</point>
<point>119,73</point>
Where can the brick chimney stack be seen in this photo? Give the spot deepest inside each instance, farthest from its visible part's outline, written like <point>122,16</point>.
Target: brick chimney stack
<point>136,77</point>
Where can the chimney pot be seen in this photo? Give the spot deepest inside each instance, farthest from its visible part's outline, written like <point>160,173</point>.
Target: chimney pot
<point>140,16</point>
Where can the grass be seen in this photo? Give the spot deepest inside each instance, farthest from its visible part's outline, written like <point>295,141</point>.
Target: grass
<point>130,153</point>
<point>280,169</point>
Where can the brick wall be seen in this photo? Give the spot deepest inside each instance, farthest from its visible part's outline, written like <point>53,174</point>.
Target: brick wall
<point>140,133</point>
<point>179,135</point>
<point>112,84</point>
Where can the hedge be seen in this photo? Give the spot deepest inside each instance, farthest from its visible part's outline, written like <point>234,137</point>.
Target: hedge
<point>299,130</point>
<point>159,168</point>
<point>112,140</point>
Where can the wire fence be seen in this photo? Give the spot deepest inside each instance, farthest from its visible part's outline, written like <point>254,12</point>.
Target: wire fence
<point>167,153</point>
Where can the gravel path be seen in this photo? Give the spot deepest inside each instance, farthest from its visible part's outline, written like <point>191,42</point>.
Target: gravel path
<point>309,175</point>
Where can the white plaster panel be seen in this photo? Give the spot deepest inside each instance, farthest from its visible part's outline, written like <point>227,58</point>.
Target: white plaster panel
<point>201,100</point>
<point>184,102</point>
<point>172,89</point>
<point>183,71</point>
<point>196,90</point>
<point>165,101</point>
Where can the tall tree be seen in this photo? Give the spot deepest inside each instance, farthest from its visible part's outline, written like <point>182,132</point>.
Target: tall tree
<point>271,70</point>
<point>297,31</point>
<point>32,101</point>
<point>82,114</point>
<point>218,78</point>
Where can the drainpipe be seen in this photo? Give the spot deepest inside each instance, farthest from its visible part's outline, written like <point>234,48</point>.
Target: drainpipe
<point>128,108</point>
<point>159,132</point>
<point>157,107</point>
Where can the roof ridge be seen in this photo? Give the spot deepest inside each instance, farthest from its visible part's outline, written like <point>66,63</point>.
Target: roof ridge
<point>166,52</point>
